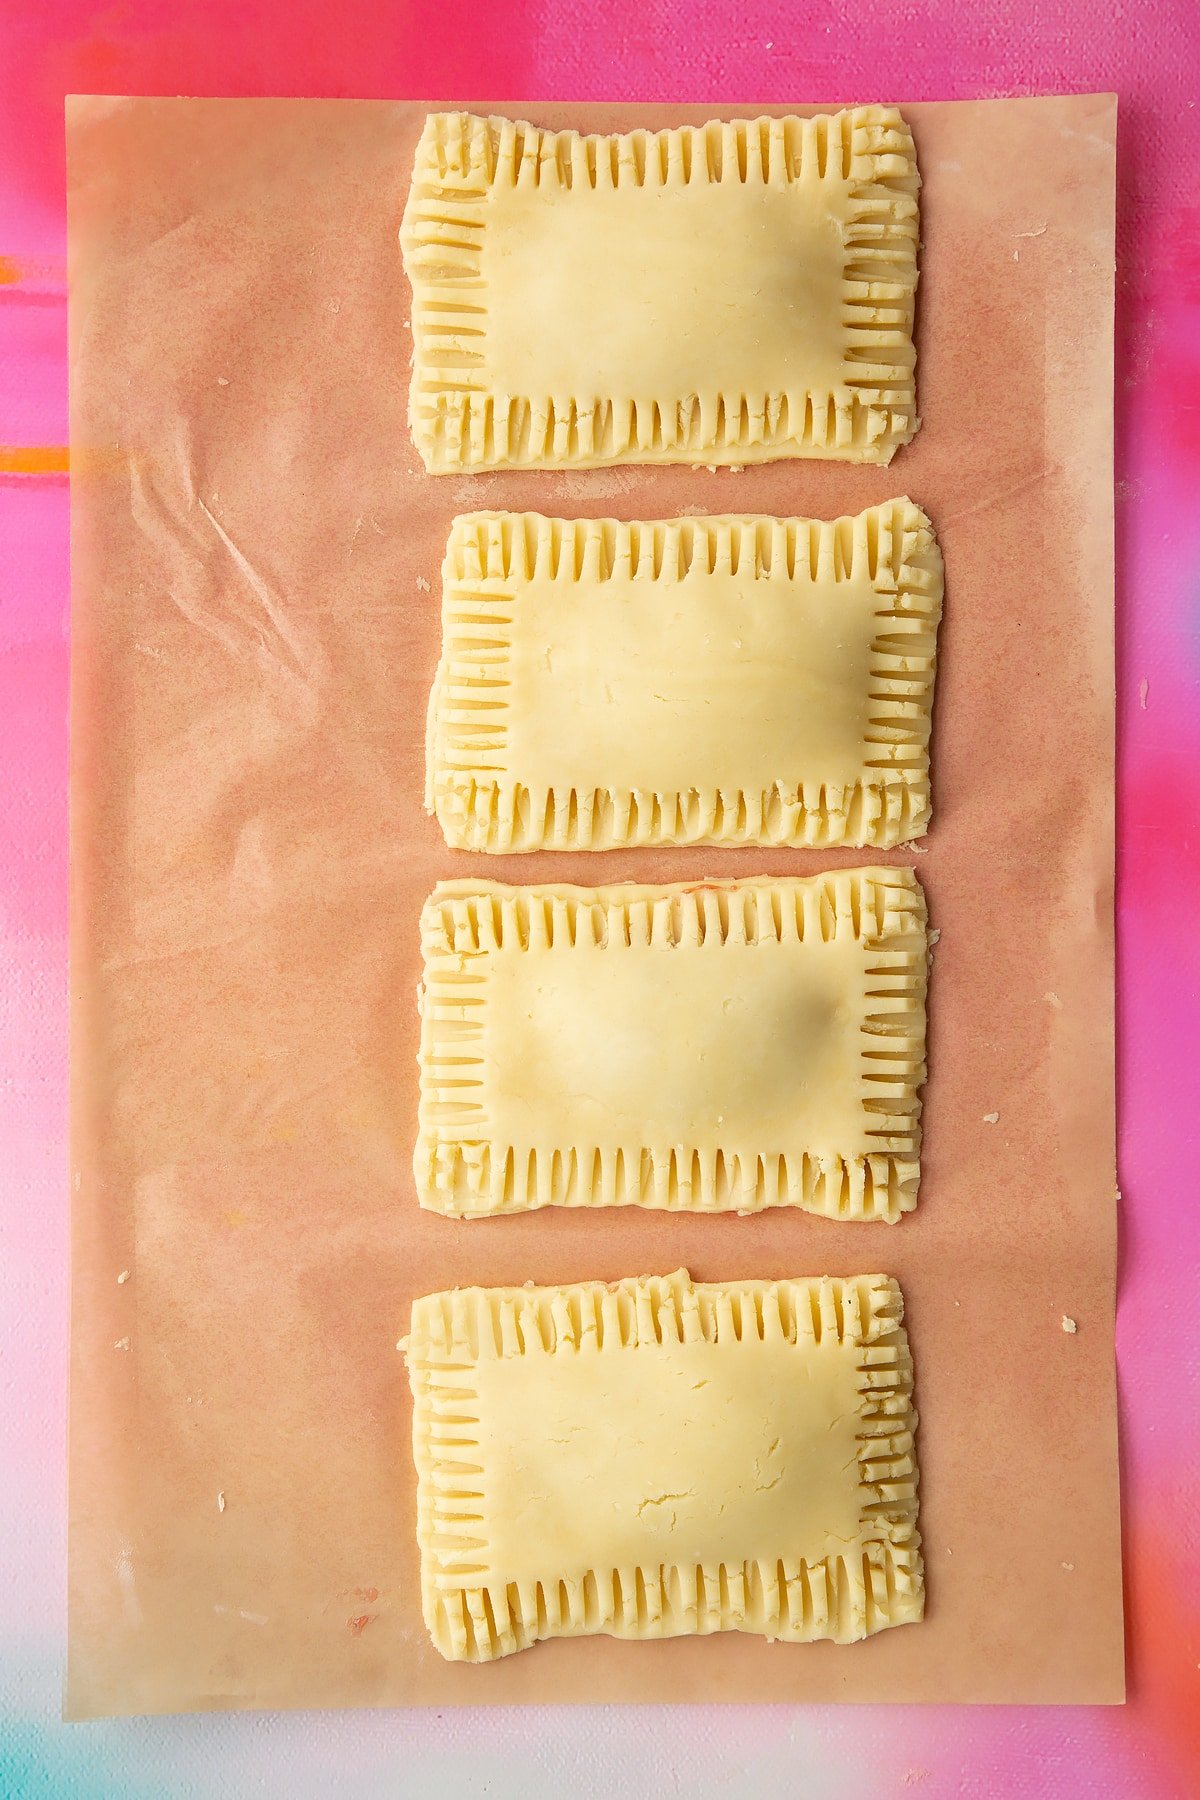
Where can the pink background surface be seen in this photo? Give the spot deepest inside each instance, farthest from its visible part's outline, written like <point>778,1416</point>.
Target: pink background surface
<point>665,50</point>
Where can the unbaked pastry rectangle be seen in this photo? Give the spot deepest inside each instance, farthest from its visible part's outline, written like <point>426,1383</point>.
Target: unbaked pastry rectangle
<point>725,293</point>
<point>715,1047</point>
<point>659,1458</point>
<point>696,680</point>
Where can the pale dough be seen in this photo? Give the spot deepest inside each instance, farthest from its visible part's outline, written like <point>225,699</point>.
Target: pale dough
<point>727,293</point>
<point>722,1046</point>
<point>659,1457</point>
<point>710,680</point>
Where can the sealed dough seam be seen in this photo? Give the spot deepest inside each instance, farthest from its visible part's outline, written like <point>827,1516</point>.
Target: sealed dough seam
<point>628,1344</point>
<point>472,1159</point>
<point>491,557</point>
<point>460,419</point>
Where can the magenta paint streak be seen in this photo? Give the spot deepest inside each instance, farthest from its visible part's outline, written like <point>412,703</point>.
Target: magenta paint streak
<point>665,50</point>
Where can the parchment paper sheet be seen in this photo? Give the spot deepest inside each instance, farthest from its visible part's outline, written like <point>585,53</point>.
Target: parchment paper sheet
<point>256,559</point>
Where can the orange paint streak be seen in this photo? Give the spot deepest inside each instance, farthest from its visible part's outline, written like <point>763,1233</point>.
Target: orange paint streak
<point>10,272</point>
<point>367,1593</point>
<point>356,1627</point>
<point>34,459</point>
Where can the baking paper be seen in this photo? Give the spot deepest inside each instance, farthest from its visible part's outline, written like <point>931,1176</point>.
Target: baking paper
<point>255,617</point>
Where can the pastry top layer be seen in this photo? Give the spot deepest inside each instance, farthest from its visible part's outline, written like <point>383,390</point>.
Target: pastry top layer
<point>724,293</point>
<point>752,1426</point>
<point>723,680</point>
<point>720,1046</point>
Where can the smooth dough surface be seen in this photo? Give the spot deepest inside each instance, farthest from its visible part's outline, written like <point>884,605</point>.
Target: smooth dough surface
<point>660,1457</point>
<point>726,293</point>
<point>725,1046</point>
<point>709,680</point>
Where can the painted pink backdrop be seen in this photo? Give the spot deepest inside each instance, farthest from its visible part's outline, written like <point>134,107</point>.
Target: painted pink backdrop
<point>705,50</point>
